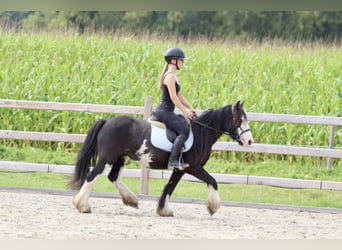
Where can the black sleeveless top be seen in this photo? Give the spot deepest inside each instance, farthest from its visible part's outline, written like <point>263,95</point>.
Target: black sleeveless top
<point>166,103</point>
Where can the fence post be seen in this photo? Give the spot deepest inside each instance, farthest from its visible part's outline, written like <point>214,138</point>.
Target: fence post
<point>331,144</point>
<point>148,105</point>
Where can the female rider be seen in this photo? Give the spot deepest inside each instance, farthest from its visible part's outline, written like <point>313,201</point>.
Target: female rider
<point>171,98</point>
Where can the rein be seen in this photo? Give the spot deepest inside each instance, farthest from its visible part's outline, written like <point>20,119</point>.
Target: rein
<point>222,131</point>
<point>206,126</point>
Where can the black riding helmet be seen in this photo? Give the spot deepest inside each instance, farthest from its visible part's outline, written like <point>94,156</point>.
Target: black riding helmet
<point>174,53</point>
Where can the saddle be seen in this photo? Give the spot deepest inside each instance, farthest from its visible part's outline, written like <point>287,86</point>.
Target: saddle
<point>163,137</point>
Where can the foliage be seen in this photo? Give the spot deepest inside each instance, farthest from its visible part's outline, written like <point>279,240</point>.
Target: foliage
<point>121,69</point>
<point>287,25</point>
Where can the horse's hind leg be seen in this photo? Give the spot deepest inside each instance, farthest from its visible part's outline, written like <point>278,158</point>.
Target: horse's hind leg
<point>127,196</point>
<point>80,201</point>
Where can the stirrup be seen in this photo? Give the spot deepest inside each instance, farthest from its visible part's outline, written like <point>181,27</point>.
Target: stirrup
<point>177,165</point>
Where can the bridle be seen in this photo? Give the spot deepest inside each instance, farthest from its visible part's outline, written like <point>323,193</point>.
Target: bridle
<point>234,136</point>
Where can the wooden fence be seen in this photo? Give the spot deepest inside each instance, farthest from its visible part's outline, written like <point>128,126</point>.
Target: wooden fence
<point>144,173</point>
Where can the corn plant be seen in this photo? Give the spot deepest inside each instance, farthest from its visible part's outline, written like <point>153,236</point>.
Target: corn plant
<point>122,69</point>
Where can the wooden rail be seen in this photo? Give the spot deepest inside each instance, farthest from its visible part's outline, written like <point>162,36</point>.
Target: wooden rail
<point>145,111</point>
<point>227,146</point>
<point>67,106</point>
<point>224,146</point>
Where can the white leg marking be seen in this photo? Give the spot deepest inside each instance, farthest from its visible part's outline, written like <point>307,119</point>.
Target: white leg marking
<point>80,201</point>
<point>127,196</point>
<point>214,201</point>
<point>166,211</point>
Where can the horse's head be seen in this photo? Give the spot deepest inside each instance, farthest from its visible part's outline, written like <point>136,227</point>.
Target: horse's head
<point>239,129</point>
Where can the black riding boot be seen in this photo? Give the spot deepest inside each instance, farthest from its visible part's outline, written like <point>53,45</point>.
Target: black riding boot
<point>174,161</point>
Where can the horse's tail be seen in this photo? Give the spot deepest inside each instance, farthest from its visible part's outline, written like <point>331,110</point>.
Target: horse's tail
<point>86,156</point>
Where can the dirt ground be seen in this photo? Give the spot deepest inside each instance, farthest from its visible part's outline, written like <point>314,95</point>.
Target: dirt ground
<point>46,216</point>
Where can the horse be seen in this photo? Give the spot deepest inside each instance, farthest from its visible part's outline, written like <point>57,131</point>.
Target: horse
<point>115,140</point>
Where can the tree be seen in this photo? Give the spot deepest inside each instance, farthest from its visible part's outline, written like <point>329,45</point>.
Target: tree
<point>287,25</point>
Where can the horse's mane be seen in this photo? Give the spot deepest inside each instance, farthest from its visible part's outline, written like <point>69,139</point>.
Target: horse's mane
<point>218,120</point>
<point>213,117</point>
<point>204,137</point>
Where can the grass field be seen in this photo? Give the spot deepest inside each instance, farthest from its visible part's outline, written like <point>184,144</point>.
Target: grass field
<point>186,189</point>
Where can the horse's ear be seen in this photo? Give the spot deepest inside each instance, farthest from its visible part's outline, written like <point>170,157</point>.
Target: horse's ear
<point>238,105</point>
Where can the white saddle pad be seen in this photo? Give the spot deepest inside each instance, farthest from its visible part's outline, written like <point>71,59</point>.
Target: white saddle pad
<point>159,139</point>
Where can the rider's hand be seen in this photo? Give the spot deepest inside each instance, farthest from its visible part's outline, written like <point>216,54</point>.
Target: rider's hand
<point>188,114</point>
<point>194,114</point>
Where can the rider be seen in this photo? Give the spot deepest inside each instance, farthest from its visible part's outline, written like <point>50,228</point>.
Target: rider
<point>171,97</point>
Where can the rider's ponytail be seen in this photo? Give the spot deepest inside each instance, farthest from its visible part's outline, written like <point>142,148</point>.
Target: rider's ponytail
<point>161,79</point>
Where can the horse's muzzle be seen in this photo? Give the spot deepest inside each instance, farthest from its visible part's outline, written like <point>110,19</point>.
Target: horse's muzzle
<point>247,143</point>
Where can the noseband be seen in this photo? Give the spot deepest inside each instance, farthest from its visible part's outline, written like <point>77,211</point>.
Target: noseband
<point>237,137</point>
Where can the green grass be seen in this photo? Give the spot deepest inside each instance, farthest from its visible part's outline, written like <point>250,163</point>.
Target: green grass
<point>187,189</point>
<point>214,165</point>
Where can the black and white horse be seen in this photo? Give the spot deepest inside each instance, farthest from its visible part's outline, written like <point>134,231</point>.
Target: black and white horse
<point>115,140</point>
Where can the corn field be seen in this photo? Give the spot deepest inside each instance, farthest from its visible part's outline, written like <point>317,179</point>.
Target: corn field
<point>122,69</point>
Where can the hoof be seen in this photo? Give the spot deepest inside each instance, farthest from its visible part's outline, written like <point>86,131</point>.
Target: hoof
<point>82,208</point>
<point>164,212</point>
<point>131,201</point>
<point>132,204</point>
<point>85,210</point>
<point>211,212</point>
<point>213,202</point>
<point>212,208</point>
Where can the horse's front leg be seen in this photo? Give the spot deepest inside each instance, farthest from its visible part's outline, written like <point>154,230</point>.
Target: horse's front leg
<point>213,201</point>
<point>163,209</point>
